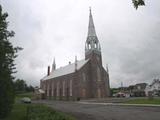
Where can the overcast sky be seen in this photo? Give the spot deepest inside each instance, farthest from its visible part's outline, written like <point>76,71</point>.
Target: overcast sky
<point>130,39</point>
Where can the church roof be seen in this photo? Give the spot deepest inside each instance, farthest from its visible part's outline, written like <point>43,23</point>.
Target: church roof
<point>65,70</point>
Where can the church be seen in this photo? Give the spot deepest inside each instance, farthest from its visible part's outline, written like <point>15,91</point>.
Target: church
<point>83,79</point>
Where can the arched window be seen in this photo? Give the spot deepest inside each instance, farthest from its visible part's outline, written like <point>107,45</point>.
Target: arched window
<point>70,86</point>
<point>95,45</point>
<point>84,77</point>
<point>55,92</point>
<point>63,88</point>
<point>60,93</point>
<point>52,88</point>
<point>99,93</point>
<point>57,88</point>
<point>48,88</point>
<point>89,46</point>
<point>83,92</point>
<point>98,74</point>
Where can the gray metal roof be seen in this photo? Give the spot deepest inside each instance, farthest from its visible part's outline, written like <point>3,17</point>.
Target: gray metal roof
<point>65,70</point>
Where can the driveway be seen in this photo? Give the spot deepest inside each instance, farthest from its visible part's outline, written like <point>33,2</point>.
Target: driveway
<point>105,112</point>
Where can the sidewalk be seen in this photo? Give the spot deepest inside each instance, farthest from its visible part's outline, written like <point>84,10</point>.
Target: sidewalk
<point>121,104</point>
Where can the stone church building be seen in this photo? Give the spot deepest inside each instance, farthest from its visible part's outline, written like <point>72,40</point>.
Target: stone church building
<point>83,79</point>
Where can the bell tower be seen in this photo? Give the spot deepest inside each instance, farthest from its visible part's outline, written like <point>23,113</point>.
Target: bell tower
<point>92,45</point>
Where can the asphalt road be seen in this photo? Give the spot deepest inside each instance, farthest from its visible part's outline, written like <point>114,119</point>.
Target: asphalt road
<point>105,112</point>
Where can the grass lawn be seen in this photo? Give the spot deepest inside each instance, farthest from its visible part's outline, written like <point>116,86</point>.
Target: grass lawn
<point>18,112</point>
<point>29,94</point>
<point>19,109</point>
<point>22,111</point>
<point>42,112</point>
<point>36,112</point>
<point>155,101</point>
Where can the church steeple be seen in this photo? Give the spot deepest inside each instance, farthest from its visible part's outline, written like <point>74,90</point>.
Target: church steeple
<point>92,42</point>
<point>91,28</point>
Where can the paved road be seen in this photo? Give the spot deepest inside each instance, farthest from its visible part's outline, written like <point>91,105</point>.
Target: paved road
<point>105,112</point>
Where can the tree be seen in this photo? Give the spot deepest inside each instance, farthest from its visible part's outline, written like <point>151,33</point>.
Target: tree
<point>7,66</point>
<point>137,3</point>
<point>21,86</point>
<point>30,88</point>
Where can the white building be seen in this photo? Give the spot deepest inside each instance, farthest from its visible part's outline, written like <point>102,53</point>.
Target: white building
<point>154,87</point>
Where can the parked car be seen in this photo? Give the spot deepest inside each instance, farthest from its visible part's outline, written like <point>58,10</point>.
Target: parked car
<point>26,100</point>
<point>120,94</point>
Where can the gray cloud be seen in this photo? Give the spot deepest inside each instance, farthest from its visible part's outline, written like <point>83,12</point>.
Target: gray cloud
<point>46,29</point>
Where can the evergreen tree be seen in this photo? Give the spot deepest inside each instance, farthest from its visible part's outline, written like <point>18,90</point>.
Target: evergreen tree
<point>7,66</point>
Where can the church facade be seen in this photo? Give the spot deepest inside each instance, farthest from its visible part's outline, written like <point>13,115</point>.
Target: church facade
<point>83,79</point>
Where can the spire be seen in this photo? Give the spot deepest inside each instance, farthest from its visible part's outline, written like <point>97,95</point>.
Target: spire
<point>107,68</point>
<point>91,28</point>
<point>53,65</point>
<point>92,42</point>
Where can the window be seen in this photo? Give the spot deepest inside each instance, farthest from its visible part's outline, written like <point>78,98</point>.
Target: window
<point>138,87</point>
<point>89,46</point>
<point>98,74</point>
<point>99,93</point>
<point>70,86</point>
<point>57,88</point>
<point>84,77</point>
<point>48,85</point>
<point>95,45</point>
<point>55,91</point>
<point>98,58</point>
<point>52,88</point>
<point>83,92</point>
<point>63,88</point>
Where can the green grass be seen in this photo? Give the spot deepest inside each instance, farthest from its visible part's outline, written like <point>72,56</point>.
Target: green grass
<point>41,112</point>
<point>36,112</point>
<point>18,112</point>
<point>155,101</point>
<point>29,94</point>
<point>23,111</point>
<point>19,109</point>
